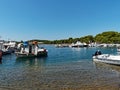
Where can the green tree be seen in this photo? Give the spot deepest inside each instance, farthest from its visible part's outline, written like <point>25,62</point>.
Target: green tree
<point>108,37</point>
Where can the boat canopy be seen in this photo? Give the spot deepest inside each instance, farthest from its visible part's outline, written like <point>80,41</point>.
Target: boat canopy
<point>25,43</point>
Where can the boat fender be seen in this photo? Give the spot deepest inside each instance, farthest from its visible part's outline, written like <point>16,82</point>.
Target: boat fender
<point>0,56</point>
<point>44,50</point>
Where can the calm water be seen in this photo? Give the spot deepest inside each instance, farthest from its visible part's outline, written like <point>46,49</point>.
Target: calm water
<point>63,69</point>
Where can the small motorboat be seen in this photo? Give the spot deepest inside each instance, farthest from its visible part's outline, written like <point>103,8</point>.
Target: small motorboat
<point>30,50</point>
<point>107,58</point>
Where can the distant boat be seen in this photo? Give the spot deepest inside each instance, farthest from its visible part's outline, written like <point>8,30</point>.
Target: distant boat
<point>7,47</point>
<point>118,49</point>
<point>30,50</point>
<point>61,45</point>
<point>78,44</point>
<point>107,58</point>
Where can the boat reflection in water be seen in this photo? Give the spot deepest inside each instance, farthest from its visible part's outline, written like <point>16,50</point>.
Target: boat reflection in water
<point>33,63</point>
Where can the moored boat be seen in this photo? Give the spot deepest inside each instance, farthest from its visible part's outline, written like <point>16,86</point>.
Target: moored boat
<point>78,44</point>
<point>7,47</point>
<point>118,49</point>
<point>31,50</point>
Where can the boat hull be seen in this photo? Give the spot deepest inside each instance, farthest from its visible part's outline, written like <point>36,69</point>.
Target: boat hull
<point>106,58</point>
<point>30,55</point>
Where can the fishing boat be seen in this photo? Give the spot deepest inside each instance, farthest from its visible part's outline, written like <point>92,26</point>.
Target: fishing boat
<point>107,58</point>
<point>30,50</point>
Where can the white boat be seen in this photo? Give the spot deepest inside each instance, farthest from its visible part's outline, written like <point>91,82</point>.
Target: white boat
<point>12,44</point>
<point>31,50</point>
<point>7,47</point>
<point>61,45</point>
<point>107,58</point>
<point>78,44</point>
<point>118,49</point>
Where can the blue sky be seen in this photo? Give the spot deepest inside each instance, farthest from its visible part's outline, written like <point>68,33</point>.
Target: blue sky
<point>57,19</point>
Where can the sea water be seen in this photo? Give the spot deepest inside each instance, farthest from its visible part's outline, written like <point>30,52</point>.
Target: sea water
<point>63,69</point>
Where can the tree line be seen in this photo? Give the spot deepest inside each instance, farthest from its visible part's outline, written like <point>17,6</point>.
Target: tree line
<point>104,37</point>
